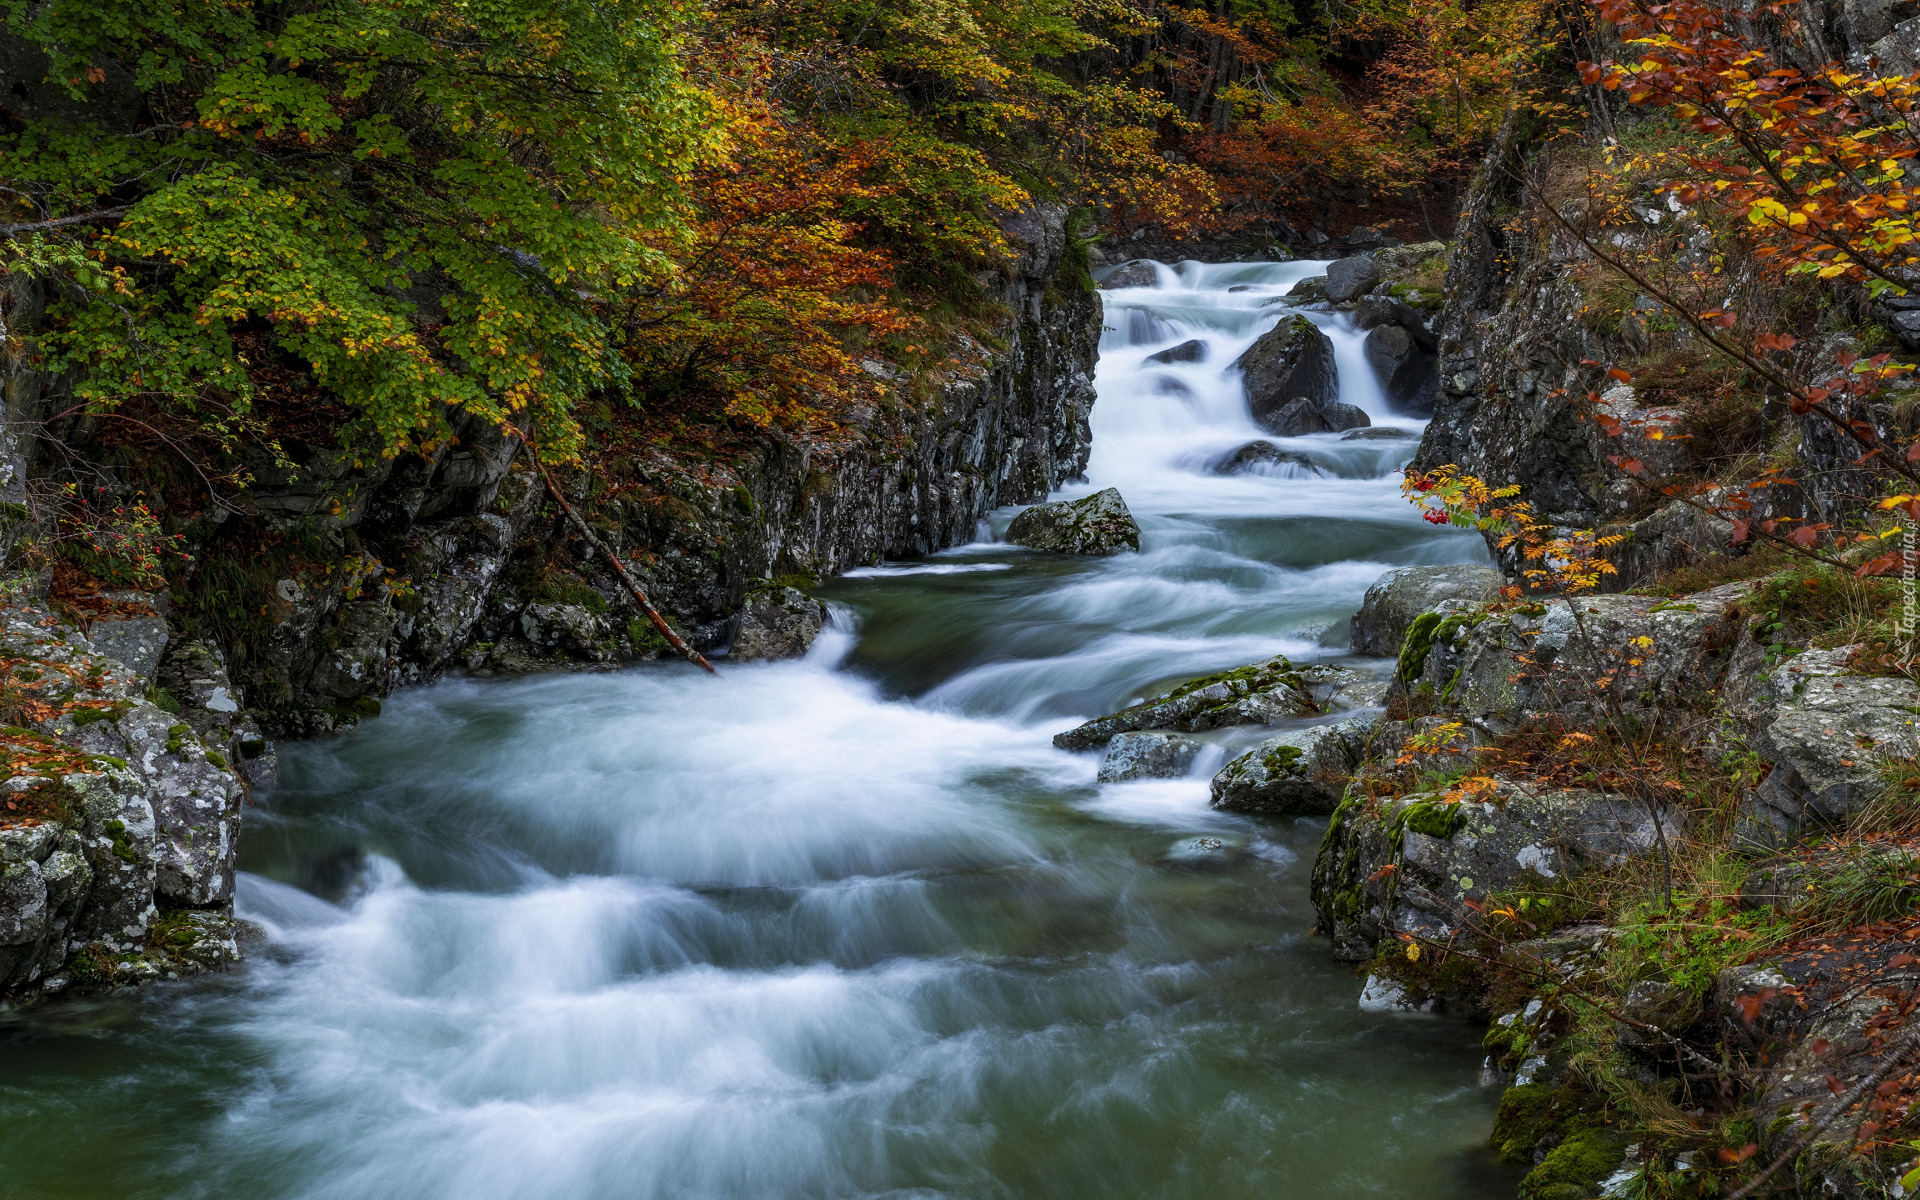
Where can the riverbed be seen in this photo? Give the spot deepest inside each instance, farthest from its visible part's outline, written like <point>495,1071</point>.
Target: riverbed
<point>842,927</point>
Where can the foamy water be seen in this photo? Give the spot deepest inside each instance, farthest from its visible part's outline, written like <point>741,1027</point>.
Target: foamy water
<point>849,926</point>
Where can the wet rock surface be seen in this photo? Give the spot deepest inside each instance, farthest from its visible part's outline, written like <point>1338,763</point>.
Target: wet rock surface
<point>1265,454</point>
<point>1402,594</point>
<point>1151,755</point>
<point>778,623</point>
<point>1293,361</point>
<point>1259,694</point>
<point>1095,525</point>
<point>1302,772</point>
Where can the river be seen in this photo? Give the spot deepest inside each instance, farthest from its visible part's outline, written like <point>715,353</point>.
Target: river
<point>843,927</point>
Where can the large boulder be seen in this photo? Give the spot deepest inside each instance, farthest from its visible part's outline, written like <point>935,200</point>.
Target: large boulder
<point>1259,694</point>
<point>1192,350</point>
<point>1351,278</point>
<point>779,622</point>
<point>1301,416</point>
<point>1265,454</point>
<point>1153,754</point>
<point>1472,663</point>
<point>1403,352</point>
<point>1301,772</point>
<point>1828,734</point>
<point>1409,864</point>
<point>1292,360</point>
<point>1137,272</point>
<point>1402,594</point>
<point>1096,525</point>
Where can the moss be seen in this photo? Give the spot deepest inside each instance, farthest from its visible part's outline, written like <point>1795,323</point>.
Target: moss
<point>1432,818</point>
<point>407,600</point>
<point>216,758</point>
<point>253,747</point>
<point>1525,1115</point>
<point>1243,681</point>
<point>122,847</point>
<point>1281,760</point>
<point>1571,1169</point>
<point>645,639</point>
<point>83,717</point>
<point>164,700</point>
<point>172,930</point>
<point>174,731</point>
<point>1414,647</point>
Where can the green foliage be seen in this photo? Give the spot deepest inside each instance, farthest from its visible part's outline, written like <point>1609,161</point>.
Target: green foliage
<point>415,204</point>
<point>1703,931</point>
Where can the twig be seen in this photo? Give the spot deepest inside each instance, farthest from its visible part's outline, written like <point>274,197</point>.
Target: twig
<point>639,597</point>
<point>105,214</point>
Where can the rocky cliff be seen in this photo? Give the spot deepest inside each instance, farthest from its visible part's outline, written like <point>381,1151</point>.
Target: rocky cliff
<point>335,576</point>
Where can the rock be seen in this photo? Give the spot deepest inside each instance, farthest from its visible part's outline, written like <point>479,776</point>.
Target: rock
<point>1349,278</point>
<point>1191,351</point>
<point>128,809</point>
<point>1402,594</point>
<point>1445,853</point>
<point>1377,433</point>
<point>776,624</point>
<point>1299,773</point>
<point>572,629</point>
<point>1811,1011</point>
<point>1379,995</point>
<point>1097,525</point>
<point>193,679</point>
<point>1137,272</point>
<point>1301,416</point>
<point>1469,662</point>
<point>1293,359</point>
<point>1308,291</point>
<point>1264,454</point>
<point>136,643</point>
<point>1827,734</point>
<point>1403,353</point>
<point>1151,755</point>
<point>1259,694</point>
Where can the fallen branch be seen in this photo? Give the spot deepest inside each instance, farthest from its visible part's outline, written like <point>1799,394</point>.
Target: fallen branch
<point>639,597</point>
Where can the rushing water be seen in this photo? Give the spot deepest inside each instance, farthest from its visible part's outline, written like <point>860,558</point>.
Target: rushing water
<point>834,928</point>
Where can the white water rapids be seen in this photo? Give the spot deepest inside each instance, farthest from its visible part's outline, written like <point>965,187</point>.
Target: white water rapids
<point>846,927</point>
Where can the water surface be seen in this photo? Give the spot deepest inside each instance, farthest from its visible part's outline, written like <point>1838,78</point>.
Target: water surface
<point>847,927</point>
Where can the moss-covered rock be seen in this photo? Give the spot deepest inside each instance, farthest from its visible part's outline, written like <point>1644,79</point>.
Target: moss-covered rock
<point>1257,694</point>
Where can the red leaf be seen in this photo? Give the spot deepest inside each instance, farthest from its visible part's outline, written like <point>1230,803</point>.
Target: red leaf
<point>1878,566</point>
<point>1804,537</point>
<point>1834,1085</point>
<point>1739,531</point>
<point>1617,373</point>
<point>1902,959</point>
<point>1913,452</point>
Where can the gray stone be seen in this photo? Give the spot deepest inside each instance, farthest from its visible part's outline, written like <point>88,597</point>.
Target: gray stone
<point>568,628</point>
<point>1445,853</point>
<point>1260,694</point>
<point>1827,734</point>
<point>1402,594</point>
<point>1302,772</point>
<point>1149,755</point>
<point>1265,454</point>
<point>1308,291</point>
<point>1137,272</point>
<point>1293,359</point>
<point>1348,278</point>
<point>776,624</point>
<point>1096,525</point>
<point>1191,351</point>
<point>1377,433</point>
<point>136,643</point>
<point>1301,416</point>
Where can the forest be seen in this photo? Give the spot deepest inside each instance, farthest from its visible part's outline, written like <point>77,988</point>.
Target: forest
<point>732,598</point>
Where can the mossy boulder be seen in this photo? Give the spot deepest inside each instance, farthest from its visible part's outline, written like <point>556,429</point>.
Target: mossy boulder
<point>776,623</point>
<point>1154,754</point>
<point>1257,694</point>
<point>1401,596</point>
<point>1097,525</point>
<point>1296,773</point>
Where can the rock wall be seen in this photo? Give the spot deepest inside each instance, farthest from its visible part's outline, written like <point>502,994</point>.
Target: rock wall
<point>119,818</point>
<point>336,577</point>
